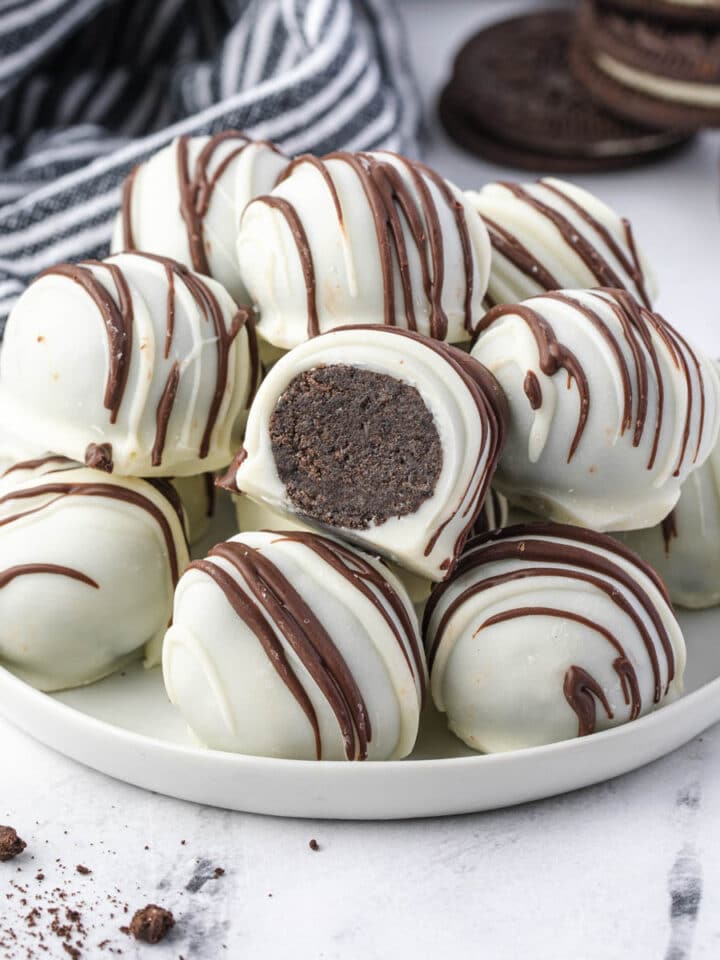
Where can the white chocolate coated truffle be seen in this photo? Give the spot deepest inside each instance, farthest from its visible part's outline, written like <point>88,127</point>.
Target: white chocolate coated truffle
<point>363,238</point>
<point>133,360</point>
<point>185,202</point>
<point>294,645</point>
<point>553,235</point>
<point>385,437</point>
<point>685,547</point>
<point>548,632</point>
<point>611,407</point>
<point>88,565</point>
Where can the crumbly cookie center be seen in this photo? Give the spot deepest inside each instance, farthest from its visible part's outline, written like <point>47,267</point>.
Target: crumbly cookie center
<point>354,447</point>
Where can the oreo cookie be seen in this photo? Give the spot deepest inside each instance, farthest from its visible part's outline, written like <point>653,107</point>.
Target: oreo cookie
<point>513,99</point>
<point>678,11</point>
<point>649,70</point>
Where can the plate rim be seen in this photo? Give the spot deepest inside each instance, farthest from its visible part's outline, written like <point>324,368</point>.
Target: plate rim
<point>576,744</point>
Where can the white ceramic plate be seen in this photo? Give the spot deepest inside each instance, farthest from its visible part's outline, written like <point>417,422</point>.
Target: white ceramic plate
<point>124,726</point>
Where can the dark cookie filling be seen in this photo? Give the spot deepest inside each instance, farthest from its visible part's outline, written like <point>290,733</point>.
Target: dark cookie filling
<point>354,447</point>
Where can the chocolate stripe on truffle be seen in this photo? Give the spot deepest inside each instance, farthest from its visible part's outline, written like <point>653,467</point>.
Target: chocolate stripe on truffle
<point>599,267</point>
<point>510,247</point>
<point>117,317</point>
<point>126,208</point>
<point>251,615</point>
<point>389,197</point>
<point>108,491</point>
<point>637,325</point>
<point>581,691</point>
<point>632,266</point>
<point>211,311</point>
<point>546,544</point>
<point>579,686</point>
<point>25,569</point>
<point>288,211</point>
<point>458,212</point>
<point>365,577</point>
<point>41,462</point>
<point>307,636</point>
<point>164,410</point>
<point>553,356</point>
<point>195,194</point>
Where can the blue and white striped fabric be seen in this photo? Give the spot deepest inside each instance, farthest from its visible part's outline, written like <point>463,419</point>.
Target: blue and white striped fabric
<point>90,87</point>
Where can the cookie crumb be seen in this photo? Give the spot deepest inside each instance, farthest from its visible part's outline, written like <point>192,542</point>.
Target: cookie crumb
<point>219,872</point>
<point>151,924</point>
<point>83,869</point>
<point>314,845</point>
<point>11,845</point>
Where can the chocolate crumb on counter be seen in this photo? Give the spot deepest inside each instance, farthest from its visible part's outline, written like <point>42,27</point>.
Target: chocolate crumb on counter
<point>83,869</point>
<point>219,872</point>
<point>11,845</point>
<point>314,845</point>
<point>151,924</point>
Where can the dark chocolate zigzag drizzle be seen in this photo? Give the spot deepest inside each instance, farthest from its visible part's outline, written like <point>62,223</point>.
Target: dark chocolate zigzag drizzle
<point>542,544</point>
<point>266,589</point>
<point>105,490</point>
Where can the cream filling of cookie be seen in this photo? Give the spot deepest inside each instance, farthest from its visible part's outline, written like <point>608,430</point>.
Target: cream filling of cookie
<point>696,94</point>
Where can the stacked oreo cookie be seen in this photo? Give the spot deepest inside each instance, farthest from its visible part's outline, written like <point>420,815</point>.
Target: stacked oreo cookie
<point>612,84</point>
<point>435,360</point>
<point>655,61</point>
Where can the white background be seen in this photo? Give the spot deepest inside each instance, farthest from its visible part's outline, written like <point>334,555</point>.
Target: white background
<point>589,876</point>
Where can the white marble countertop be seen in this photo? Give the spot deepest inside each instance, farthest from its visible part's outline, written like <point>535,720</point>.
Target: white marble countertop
<point>627,869</point>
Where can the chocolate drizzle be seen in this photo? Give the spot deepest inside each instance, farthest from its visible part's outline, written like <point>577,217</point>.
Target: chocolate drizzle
<point>402,214</point>
<point>196,189</point>
<point>263,595</point>
<point>572,554</point>
<point>117,317</point>
<point>533,390</point>
<point>297,229</point>
<point>510,247</point>
<point>57,490</point>
<point>42,462</point>
<point>600,268</point>
<point>669,530</point>
<point>375,588</point>
<point>631,265</point>
<point>99,456</point>
<point>211,311</point>
<point>581,691</point>
<point>638,326</point>
<point>164,409</point>
<point>553,356</point>
<point>126,208</point>
<point>25,569</point>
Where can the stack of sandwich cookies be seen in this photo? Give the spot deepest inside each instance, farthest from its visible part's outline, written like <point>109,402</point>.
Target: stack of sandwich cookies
<point>648,68</point>
<point>512,99</point>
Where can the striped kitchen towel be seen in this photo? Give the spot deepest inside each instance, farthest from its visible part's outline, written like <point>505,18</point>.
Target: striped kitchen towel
<point>90,87</point>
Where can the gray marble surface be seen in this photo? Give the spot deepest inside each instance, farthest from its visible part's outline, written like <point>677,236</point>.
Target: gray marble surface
<point>627,869</point>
